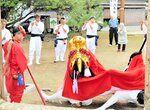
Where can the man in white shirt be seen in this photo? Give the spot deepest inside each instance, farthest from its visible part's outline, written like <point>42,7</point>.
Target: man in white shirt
<point>61,31</point>
<point>36,28</point>
<point>91,28</point>
<point>6,35</point>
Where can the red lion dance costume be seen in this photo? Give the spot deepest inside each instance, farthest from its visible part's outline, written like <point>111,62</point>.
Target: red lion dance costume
<point>80,87</point>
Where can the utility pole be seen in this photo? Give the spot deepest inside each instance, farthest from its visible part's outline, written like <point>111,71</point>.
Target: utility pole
<point>121,11</point>
<point>147,74</point>
<point>1,71</point>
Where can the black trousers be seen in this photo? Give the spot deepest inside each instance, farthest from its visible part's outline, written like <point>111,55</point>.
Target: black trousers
<point>123,47</point>
<point>113,32</point>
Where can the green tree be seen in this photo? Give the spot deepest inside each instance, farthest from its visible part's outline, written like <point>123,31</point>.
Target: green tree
<point>77,11</point>
<point>11,7</point>
<point>82,10</point>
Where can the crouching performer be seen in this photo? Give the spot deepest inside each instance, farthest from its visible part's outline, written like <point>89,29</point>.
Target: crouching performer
<point>15,65</point>
<point>123,96</point>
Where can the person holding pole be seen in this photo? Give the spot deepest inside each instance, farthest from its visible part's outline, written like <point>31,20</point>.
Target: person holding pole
<point>15,65</point>
<point>144,25</point>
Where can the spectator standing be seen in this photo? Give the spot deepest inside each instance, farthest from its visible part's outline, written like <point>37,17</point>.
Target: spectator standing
<point>91,28</point>
<point>61,31</point>
<point>113,25</point>
<point>122,37</point>
<point>36,28</point>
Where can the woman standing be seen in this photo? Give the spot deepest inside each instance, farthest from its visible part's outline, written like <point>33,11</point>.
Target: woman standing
<point>122,37</point>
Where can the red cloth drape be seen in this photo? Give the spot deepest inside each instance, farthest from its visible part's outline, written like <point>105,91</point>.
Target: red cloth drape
<point>132,79</point>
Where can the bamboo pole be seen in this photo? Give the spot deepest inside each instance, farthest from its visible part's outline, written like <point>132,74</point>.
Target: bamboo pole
<point>121,11</point>
<point>147,74</point>
<point>1,72</point>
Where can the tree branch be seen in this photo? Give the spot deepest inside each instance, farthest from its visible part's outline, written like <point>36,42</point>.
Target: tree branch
<point>20,18</point>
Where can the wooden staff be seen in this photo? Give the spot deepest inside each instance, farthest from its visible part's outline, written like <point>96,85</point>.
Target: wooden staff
<point>36,86</point>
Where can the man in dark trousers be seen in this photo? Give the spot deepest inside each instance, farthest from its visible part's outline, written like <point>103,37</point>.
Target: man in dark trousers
<point>113,25</point>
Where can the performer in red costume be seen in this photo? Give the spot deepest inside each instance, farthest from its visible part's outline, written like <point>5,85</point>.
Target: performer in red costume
<point>15,65</point>
<point>86,78</point>
<point>101,80</point>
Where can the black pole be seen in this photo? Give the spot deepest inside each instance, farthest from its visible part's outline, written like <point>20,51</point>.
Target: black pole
<point>140,51</point>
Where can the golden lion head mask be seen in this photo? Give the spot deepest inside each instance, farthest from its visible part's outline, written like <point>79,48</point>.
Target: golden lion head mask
<point>78,52</point>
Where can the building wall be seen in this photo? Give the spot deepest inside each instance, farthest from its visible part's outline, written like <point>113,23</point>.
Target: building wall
<point>134,1</point>
<point>134,11</point>
<point>134,16</point>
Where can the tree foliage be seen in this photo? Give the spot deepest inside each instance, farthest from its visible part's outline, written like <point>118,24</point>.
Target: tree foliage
<point>77,11</point>
<point>82,10</point>
<point>13,9</point>
<point>7,6</point>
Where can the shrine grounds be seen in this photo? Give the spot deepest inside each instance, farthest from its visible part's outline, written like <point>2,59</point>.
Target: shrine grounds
<point>50,75</point>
